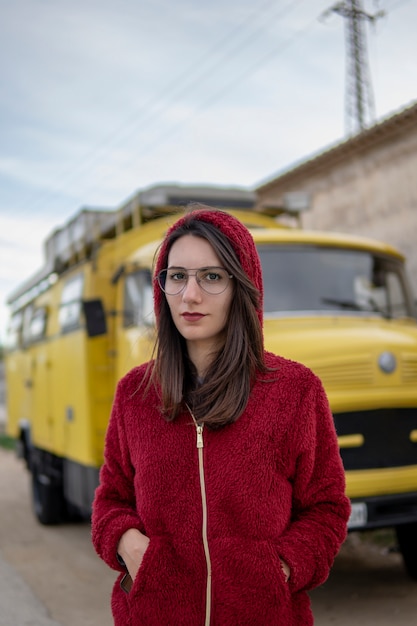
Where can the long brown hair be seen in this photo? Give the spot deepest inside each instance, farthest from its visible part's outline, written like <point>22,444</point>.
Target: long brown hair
<point>223,394</point>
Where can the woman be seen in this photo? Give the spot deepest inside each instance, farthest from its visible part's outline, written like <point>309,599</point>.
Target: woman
<point>221,499</point>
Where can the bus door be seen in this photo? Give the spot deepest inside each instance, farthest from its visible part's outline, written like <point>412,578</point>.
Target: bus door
<point>39,379</point>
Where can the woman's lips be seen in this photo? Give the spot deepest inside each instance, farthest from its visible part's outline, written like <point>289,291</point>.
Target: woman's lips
<point>192,317</point>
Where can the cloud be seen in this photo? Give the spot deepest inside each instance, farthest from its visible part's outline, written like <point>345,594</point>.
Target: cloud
<point>21,255</point>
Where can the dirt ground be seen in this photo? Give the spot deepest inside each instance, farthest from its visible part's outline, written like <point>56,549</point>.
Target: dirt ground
<point>367,586</point>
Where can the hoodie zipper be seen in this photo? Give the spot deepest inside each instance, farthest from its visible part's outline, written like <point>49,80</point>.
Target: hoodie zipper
<point>200,446</point>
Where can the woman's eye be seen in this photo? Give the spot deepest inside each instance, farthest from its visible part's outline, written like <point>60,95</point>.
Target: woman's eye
<point>212,276</point>
<point>177,276</point>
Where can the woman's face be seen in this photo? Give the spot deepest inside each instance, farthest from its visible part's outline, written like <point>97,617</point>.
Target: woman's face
<point>199,317</point>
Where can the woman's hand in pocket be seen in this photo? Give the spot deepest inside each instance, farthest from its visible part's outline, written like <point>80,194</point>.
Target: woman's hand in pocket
<point>132,546</point>
<point>286,570</point>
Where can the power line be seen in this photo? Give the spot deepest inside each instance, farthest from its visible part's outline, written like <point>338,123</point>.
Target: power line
<point>150,111</point>
<point>215,96</point>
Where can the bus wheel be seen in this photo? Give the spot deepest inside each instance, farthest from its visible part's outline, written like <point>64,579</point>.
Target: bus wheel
<point>47,499</point>
<point>73,514</point>
<point>406,536</point>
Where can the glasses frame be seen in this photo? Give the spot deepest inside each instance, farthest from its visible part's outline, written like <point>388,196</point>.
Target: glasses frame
<point>195,274</point>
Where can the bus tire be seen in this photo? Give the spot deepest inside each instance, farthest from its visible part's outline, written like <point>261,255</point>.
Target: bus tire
<point>73,514</point>
<point>46,498</point>
<point>406,537</point>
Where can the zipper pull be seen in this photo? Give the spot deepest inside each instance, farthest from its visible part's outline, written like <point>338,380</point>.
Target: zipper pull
<point>199,427</point>
<point>200,443</point>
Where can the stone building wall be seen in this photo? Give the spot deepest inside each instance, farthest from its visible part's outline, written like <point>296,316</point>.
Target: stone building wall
<point>365,186</point>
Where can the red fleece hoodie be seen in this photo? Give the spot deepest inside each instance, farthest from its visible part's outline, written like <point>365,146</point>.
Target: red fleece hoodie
<point>271,485</point>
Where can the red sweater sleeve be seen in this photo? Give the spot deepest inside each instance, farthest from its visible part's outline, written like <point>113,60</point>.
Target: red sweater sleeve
<point>320,507</point>
<point>114,506</point>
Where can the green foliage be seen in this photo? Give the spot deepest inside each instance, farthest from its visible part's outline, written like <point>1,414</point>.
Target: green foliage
<point>7,442</point>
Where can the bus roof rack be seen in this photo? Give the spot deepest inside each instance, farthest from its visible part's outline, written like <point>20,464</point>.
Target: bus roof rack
<point>79,237</point>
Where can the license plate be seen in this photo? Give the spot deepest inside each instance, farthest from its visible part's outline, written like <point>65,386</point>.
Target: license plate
<point>359,515</point>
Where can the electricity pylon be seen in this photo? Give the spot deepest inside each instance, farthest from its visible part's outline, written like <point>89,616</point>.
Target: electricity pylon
<point>359,99</point>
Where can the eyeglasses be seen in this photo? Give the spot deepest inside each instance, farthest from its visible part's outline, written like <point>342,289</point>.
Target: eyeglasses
<point>212,280</point>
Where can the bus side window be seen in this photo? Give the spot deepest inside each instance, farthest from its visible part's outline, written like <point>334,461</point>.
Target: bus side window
<point>27,318</point>
<point>138,300</point>
<point>71,304</point>
<point>396,295</point>
<point>14,332</point>
<point>37,324</point>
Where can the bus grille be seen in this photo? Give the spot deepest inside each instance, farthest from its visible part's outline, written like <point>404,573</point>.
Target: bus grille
<point>386,434</point>
<point>409,368</point>
<point>359,373</point>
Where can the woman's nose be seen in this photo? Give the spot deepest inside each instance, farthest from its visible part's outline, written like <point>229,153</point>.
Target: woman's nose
<point>192,290</point>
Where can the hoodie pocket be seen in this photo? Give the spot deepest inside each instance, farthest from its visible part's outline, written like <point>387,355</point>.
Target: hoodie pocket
<point>248,583</point>
<point>165,591</point>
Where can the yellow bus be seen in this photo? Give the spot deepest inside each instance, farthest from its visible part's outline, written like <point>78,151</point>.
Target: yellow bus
<point>340,304</point>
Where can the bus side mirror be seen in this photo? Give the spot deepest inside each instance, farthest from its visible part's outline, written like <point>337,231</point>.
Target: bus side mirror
<point>95,317</point>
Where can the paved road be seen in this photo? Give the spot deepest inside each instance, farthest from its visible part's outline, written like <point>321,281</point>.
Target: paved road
<point>58,576</point>
<point>18,604</point>
<point>50,576</point>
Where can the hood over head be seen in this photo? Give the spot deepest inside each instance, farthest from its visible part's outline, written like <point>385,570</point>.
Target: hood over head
<point>240,238</point>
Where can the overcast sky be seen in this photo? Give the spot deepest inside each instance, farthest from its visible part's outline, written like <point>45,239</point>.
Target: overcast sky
<point>100,98</point>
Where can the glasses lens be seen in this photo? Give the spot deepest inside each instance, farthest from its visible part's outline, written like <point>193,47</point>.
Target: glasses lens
<point>172,282</point>
<point>213,280</point>
<point>162,279</point>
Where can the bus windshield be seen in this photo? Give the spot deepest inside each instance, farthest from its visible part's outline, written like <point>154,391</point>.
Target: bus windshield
<point>300,279</point>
